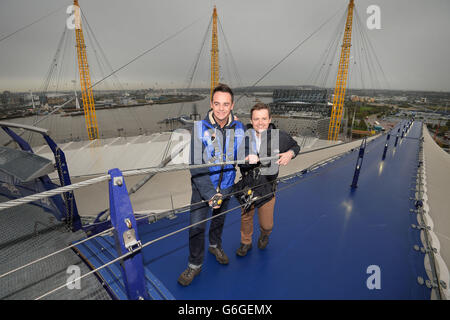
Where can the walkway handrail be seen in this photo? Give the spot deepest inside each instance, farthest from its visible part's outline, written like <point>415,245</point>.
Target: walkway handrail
<point>46,194</point>
<point>66,204</point>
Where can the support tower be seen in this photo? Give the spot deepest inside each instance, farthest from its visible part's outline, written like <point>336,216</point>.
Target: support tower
<point>341,81</point>
<point>214,53</point>
<point>85,79</point>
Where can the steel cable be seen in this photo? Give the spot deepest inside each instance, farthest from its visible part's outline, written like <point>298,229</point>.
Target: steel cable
<point>50,193</point>
<point>297,174</point>
<point>55,253</point>
<point>178,231</point>
<point>142,247</point>
<point>162,214</point>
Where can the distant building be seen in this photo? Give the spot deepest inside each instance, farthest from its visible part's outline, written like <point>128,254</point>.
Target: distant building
<point>308,96</point>
<point>127,101</point>
<point>295,101</point>
<point>149,96</point>
<point>400,99</point>
<point>5,97</point>
<point>52,101</point>
<point>355,98</point>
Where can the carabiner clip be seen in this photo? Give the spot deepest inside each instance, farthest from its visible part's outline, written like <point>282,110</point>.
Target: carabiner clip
<point>247,198</point>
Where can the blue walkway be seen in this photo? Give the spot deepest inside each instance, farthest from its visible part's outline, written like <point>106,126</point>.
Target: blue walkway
<point>324,240</point>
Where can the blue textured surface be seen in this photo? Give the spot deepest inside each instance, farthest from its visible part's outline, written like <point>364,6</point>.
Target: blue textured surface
<point>324,239</point>
<point>100,251</point>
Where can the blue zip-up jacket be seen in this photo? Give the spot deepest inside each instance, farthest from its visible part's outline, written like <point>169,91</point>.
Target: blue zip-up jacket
<point>212,144</point>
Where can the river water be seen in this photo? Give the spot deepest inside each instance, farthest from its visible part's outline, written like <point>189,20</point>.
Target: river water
<point>126,122</point>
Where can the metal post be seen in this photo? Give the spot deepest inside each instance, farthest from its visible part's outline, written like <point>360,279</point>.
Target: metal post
<point>359,164</point>
<point>64,179</point>
<point>126,236</point>
<point>386,146</point>
<point>18,139</point>
<point>47,183</point>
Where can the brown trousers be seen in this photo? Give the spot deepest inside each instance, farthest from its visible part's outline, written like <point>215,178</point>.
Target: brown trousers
<point>265,218</point>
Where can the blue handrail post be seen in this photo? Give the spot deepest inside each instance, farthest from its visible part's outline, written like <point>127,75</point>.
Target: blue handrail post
<point>126,236</point>
<point>359,164</point>
<point>64,179</point>
<point>45,180</point>
<point>18,139</point>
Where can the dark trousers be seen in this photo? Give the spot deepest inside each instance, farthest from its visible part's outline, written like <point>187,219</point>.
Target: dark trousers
<point>197,233</point>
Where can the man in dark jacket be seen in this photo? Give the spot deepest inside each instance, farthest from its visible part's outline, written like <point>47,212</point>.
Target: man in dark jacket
<point>215,139</point>
<point>263,140</point>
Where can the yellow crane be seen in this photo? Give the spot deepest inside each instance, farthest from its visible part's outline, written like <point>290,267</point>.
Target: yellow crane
<point>85,79</point>
<point>214,53</point>
<point>341,81</point>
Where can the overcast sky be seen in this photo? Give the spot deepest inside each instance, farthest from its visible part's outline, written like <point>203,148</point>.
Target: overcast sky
<point>413,44</point>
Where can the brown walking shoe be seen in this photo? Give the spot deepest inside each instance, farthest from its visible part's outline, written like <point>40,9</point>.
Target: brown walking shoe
<point>243,249</point>
<point>263,241</point>
<point>221,257</point>
<point>188,275</point>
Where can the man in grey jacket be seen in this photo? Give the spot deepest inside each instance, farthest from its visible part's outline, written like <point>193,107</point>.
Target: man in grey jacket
<point>263,140</point>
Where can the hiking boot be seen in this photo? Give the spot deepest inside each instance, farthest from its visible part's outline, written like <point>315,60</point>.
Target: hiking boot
<point>221,257</point>
<point>243,249</point>
<point>188,275</point>
<point>263,241</point>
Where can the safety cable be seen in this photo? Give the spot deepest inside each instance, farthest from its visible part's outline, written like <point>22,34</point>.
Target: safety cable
<point>60,190</point>
<point>173,233</point>
<point>313,167</point>
<point>56,252</point>
<point>308,169</point>
<point>139,185</point>
<point>142,247</point>
<point>145,216</point>
<point>162,214</point>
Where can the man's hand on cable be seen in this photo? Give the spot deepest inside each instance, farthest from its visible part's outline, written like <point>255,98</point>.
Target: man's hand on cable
<point>285,157</point>
<point>216,201</point>
<point>252,159</point>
